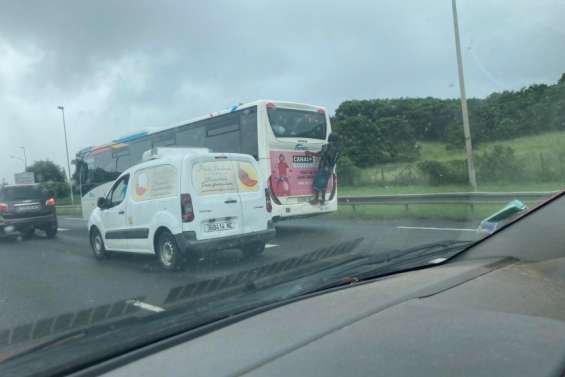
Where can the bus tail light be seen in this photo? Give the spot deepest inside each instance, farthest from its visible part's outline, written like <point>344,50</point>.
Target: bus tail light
<point>334,186</point>
<point>270,105</point>
<point>51,202</point>
<point>187,211</point>
<point>272,192</point>
<point>269,204</point>
<point>3,208</point>
<point>321,110</point>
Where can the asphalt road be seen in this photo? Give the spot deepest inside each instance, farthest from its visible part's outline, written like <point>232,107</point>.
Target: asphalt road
<point>41,278</point>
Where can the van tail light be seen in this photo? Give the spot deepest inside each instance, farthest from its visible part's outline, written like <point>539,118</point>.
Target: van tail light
<point>3,207</point>
<point>187,211</point>
<point>268,203</point>
<point>51,202</point>
<point>272,192</point>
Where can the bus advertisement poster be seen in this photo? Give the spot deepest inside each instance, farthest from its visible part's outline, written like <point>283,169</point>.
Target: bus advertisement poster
<point>293,172</point>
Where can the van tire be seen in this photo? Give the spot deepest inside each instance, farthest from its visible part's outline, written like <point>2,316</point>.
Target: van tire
<point>169,254</point>
<point>97,244</point>
<point>253,249</point>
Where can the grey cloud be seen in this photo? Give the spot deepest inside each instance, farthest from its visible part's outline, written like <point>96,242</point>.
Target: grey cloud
<point>119,66</point>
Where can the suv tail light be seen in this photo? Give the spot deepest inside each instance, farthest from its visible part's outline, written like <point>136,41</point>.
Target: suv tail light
<point>3,207</point>
<point>51,202</point>
<point>187,210</point>
<point>268,203</point>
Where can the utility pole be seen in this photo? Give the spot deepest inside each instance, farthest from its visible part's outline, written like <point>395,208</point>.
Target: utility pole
<point>464,109</point>
<point>62,108</point>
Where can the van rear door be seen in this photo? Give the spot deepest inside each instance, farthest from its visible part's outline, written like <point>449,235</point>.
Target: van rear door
<point>215,199</point>
<point>252,195</point>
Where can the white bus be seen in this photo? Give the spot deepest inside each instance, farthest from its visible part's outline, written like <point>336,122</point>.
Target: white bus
<point>276,133</point>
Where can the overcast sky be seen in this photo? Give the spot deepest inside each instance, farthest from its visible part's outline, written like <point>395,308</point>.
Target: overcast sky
<point>123,66</point>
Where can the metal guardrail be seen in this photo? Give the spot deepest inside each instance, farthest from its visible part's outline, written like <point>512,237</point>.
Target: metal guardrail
<point>468,198</point>
<point>68,206</point>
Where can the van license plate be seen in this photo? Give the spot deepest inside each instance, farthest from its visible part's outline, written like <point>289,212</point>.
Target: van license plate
<point>218,227</point>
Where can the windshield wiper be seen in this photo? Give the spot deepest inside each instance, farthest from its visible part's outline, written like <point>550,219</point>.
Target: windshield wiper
<point>395,261</point>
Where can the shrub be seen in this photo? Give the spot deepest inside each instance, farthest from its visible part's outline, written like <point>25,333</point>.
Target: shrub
<point>406,177</point>
<point>499,163</point>
<point>444,172</point>
<point>347,173</point>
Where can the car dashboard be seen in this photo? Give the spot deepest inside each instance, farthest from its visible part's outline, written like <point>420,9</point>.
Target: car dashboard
<point>494,311</point>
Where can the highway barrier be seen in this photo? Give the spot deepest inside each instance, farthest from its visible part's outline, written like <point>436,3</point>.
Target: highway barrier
<point>467,198</point>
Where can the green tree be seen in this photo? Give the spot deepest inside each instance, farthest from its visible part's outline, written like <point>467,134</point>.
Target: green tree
<point>47,171</point>
<point>51,177</point>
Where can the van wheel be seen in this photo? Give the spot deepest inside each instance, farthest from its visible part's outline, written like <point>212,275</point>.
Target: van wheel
<point>253,249</point>
<point>168,252</point>
<point>97,245</point>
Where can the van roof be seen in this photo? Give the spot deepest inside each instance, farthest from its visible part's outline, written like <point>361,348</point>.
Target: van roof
<point>183,153</point>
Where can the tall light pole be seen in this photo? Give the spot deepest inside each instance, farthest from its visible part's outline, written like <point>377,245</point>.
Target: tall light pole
<point>464,110</point>
<point>25,157</point>
<point>62,108</point>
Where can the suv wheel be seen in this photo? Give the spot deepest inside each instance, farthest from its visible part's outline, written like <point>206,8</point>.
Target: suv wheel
<point>253,249</point>
<point>168,252</point>
<point>97,244</point>
<point>29,233</point>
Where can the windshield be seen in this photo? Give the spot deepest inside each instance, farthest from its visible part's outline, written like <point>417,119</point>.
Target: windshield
<point>166,157</point>
<point>297,123</point>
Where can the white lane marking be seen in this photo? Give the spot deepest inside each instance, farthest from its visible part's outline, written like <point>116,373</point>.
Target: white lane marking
<point>63,229</point>
<point>269,245</point>
<point>431,228</point>
<point>72,218</point>
<point>146,306</point>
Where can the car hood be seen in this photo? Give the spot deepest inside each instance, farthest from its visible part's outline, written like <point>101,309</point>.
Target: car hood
<point>492,316</point>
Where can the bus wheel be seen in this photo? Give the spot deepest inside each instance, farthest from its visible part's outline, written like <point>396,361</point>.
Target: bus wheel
<point>253,249</point>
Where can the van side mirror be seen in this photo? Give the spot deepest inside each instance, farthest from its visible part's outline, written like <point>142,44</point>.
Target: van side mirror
<point>101,203</point>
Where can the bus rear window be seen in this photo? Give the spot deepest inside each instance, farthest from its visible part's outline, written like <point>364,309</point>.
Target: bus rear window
<point>297,123</point>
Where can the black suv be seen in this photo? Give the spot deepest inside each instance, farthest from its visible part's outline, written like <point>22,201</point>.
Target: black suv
<point>24,208</point>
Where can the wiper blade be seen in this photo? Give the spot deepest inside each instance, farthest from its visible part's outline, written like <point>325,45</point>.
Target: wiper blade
<point>383,264</point>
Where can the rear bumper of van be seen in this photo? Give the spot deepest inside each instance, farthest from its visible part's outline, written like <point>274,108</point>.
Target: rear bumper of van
<point>186,240</point>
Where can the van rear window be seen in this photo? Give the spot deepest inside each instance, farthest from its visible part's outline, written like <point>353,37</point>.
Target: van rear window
<point>155,182</point>
<point>248,178</point>
<point>214,177</point>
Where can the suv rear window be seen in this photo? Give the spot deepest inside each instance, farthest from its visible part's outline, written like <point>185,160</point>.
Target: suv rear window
<point>22,193</point>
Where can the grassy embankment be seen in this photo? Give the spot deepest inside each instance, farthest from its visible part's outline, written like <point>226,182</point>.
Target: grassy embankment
<point>381,180</point>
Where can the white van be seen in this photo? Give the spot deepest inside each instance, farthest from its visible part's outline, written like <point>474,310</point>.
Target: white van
<point>181,201</point>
